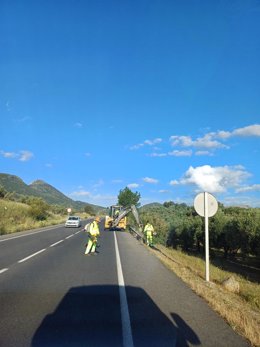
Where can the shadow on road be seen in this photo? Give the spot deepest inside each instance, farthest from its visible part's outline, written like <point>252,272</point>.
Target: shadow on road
<point>185,333</point>
<point>90,316</point>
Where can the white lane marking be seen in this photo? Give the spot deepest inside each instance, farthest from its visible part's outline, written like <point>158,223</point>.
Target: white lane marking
<point>33,233</point>
<point>78,232</point>
<point>56,243</point>
<point>126,324</point>
<point>68,237</point>
<point>32,255</point>
<point>3,270</point>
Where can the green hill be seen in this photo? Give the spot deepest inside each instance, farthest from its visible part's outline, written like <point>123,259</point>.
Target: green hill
<point>39,188</point>
<point>14,184</point>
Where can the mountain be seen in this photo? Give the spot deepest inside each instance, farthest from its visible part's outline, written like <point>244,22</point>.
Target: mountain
<point>151,205</point>
<point>13,183</point>
<point>43,190</point>
<point>49,193</point>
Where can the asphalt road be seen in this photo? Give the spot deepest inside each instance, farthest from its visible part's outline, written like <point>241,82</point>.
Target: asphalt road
<point>51,294</point>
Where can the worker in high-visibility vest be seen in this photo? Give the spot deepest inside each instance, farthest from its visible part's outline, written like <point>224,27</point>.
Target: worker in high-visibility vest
<point>149,232</point>
<point>93,234</point>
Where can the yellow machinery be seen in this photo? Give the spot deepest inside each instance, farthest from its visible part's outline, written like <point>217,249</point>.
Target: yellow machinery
<point>117,217</point>
<point>112,220</point>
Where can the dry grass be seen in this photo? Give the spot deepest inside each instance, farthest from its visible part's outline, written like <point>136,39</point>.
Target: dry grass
<point>241,311</point>
<point>16,216</point>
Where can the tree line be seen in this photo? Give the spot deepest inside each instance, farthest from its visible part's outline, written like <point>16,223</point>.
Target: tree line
<point>232,229</point>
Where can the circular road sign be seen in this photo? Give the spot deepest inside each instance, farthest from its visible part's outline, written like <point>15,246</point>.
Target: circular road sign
<point>199,204</point>
<point>69,210</point>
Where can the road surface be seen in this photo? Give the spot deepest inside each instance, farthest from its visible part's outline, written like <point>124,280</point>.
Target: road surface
<point>51,294</point>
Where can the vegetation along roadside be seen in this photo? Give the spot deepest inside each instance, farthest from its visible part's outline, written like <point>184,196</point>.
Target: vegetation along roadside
<point>234,254</point>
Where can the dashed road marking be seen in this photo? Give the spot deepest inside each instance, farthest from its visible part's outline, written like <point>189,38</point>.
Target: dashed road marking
<point>36,253</point>
<point>68,237</point>
<point>32,255</point>
<point>56,243</point>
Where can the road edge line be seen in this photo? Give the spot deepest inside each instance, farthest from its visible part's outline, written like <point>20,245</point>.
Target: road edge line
<point>125,318</point>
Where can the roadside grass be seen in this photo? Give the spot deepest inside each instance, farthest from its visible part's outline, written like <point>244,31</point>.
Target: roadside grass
<point>241,311</point>
<point>15,216</point>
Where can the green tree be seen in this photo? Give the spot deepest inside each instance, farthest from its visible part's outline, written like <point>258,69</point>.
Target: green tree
<point>89,209</point>
<point>168,204</point>
<point>127,198</point>
<point>3,192</point>
<point>39,208</point>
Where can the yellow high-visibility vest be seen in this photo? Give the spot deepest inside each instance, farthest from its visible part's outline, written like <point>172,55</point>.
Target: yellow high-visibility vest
<point>94,229</point>
<point>148,228</point>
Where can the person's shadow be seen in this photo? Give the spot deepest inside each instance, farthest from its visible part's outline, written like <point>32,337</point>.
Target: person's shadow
<point>90,316</point>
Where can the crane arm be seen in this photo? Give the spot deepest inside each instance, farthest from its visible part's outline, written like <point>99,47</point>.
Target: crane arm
<point>123,213</point>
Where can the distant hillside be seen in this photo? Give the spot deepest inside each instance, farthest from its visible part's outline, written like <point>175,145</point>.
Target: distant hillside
<point>49,193</point>
<point>13,183</point>
<point>151,205</point>
<point>44,190</point>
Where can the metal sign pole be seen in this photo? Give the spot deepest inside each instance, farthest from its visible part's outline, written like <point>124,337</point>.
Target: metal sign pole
<point>206,214</point>
<point>206,206</point>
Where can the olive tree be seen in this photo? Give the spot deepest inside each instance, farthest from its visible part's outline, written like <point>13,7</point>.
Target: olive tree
<point>127,198</point>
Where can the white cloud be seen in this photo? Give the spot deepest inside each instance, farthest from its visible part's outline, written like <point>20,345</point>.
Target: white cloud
<point>103,200</point>
<point>96,199</point>
<point>215,179</point>
<point>163,191</point>
<point>25,155</point>
<point>254,187</point>
<point>80,193</point>
<point>134,147</point>
<point>206,141</point>
<point>207,153</point>
<point>251,130</point>
<point>205,145</point>
<point>242,201</point>
<point>153,142</point>
<point>150,180</point>
<point>174,183</point>
<point>8,154</point>
<point>99,183</point>
<point>146,142</point>
<point>23,119</point>
<point>78,125</point>
<point>117,181</point>
<point>184,141</point>
<point>211,139</point>
<point>21,155</point>
<point>158,155</point>
<point>177,153</point>
<point>133,185</point>
<point>222,134</point>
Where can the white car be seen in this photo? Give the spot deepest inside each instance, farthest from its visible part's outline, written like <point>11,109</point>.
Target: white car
<point>73,221</point>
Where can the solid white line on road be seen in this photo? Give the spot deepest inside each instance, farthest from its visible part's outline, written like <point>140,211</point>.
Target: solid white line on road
<point>3,270</point>
<point>32,255</point>
<point>56,243</point>
<point>78,232</point>
<point>126,324</point>
<point>30,234</point>
<point>68,237</point>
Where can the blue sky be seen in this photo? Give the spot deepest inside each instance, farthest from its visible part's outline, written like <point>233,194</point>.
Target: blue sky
<point>159,96</point>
